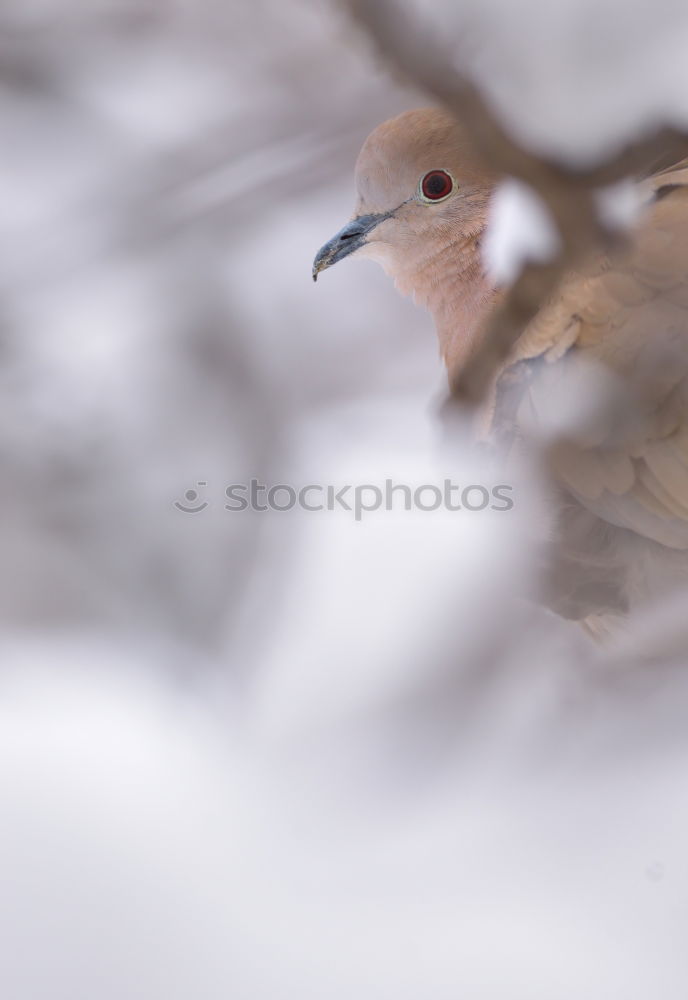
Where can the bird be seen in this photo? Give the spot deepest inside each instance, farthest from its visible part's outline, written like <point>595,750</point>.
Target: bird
<point>618,475</point>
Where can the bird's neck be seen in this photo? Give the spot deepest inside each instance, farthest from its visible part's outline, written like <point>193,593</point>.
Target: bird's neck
<point>451,283</point>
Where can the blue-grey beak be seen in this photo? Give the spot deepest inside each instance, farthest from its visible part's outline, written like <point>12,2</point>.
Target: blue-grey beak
<point>348,239</point>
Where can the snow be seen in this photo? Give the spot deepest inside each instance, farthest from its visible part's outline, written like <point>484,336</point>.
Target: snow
<point>520,230</point>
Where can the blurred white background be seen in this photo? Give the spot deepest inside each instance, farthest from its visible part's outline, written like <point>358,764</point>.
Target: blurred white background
<point>291,755</point>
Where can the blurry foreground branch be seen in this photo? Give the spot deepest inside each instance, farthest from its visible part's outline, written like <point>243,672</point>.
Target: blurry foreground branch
<point>568,193</point>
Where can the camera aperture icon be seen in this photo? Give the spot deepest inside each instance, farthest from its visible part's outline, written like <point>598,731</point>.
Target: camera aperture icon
<point>193,502</point>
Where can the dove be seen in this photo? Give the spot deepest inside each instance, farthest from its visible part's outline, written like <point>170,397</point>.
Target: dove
<point>610,345</point>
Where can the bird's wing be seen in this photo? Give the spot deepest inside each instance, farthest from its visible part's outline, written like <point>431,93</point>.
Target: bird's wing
<point>625,320</point>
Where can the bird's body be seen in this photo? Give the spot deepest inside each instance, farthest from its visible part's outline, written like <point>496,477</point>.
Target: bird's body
<point>619,467</point>
<point>622,469</point>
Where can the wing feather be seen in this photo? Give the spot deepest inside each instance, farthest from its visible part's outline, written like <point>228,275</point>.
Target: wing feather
<point>626,317</point>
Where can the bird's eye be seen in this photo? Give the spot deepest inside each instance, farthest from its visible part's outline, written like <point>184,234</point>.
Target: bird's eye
<point>436,185</point>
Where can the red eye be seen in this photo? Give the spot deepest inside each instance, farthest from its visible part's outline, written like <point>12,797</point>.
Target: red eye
<point>436,184</point>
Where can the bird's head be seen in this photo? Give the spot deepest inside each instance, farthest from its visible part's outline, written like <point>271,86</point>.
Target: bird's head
<point>419,192</point>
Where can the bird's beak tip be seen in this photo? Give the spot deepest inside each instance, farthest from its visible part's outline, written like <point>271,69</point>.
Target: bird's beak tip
<point>348,239</point>
<point>323,259</point>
